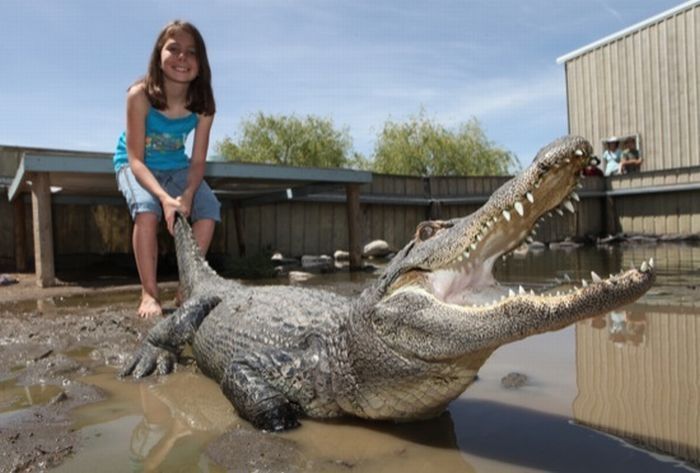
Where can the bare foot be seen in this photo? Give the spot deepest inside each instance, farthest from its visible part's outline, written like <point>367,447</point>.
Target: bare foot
<point>150,307</point>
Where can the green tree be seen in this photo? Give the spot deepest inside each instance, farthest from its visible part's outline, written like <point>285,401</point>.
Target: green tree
<point>291,141</point>
<point>421,147</point>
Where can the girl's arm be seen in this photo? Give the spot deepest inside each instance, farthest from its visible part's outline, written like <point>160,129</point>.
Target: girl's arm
<point>136,111</point>
<point>197,162</point>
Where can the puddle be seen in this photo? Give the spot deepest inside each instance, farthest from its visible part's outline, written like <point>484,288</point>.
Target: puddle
<point>615,393</point>
<point>14,397</point>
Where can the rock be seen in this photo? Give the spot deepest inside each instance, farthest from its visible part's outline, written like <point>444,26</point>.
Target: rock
<point>377,249</point>
<point>279,260</point>
<point>521,251</point>
<point>60,397</point>
<point>567,244</point>
<point>514,380</point>
<point>6,280</point>
<point>296,277</point>
<point>322,263</point>
<point>341,255</point>
<point>537,246</point>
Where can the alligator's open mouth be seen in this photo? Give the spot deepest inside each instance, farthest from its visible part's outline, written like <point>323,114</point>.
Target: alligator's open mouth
<point>511,216</point>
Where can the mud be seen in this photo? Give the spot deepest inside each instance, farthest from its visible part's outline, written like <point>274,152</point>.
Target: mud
<point>45,351</point>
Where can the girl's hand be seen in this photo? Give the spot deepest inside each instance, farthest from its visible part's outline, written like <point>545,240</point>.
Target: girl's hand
<point>185,203</point>
<point>170,206</point>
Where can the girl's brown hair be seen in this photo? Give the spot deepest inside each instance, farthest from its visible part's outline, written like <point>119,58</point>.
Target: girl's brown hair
<point>200,97</point>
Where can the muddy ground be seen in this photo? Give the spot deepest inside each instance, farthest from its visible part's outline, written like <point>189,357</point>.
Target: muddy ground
<point>53,338</point>
<point>36,332</point>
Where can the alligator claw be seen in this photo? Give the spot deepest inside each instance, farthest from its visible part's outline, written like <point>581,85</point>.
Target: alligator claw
<point>279,418</point>
<point>148,359</point>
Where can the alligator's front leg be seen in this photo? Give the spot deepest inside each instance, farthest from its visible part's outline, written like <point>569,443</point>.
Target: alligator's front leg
<point>256,401</point>
<point>166,340</point>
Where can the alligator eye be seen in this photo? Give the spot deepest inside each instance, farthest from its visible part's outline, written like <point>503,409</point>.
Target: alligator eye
<point>425,231</point>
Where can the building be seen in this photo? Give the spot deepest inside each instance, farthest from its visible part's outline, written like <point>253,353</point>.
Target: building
<point>643,83</point>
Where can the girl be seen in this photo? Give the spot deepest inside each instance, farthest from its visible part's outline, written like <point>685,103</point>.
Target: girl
<point>153,171</point>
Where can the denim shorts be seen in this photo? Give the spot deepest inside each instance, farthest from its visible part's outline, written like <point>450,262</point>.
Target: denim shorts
<point>205,205</point>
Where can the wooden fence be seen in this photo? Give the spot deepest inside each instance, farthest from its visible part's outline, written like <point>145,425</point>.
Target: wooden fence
<point>391,208</point>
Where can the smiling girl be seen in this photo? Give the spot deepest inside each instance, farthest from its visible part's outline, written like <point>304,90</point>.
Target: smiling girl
<point>153,171</point>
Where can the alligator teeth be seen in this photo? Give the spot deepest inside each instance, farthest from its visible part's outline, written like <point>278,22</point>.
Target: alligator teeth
<point>510,293</point>
<point>651,263</point>
<point>530,197</point>
<point>506,215</point>
<point>473,246</point>
<point>579,185</point>
<point>550,214</point>
<point>644,267</point>
<point>595,277</point>
<point>466,254</point>
<point>569,206</point>
<point>567,278</point>
<point>575,196</point>
<point>578,152</point>
<point>521,290</point>
<point>559,211</point>
<point>532,293</point>
<point>460,258</point>
<point>529,239</point>
<point>584,283</point>
<point>519,208</point>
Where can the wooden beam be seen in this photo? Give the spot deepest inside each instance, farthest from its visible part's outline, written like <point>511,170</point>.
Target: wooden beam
<point>240,232</point>
<point>352,192</point>
<point>42,230</point>
<point>20,235</point>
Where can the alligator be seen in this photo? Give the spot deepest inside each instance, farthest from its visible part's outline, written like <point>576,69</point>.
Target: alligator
<point>411,342</point>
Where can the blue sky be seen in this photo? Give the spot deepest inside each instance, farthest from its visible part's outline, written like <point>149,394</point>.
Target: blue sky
<point>67,63</point>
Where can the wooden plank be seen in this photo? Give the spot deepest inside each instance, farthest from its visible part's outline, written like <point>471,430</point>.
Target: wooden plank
<point>20,234</point>
<point>268,223</point>
<point>282,225</point>
<point>43,231</point>
<point>340,228</point>
<point>354,213</point>
<point>326,245</point>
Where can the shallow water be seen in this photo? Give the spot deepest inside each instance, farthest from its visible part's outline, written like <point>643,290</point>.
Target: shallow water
<point>616,393</point>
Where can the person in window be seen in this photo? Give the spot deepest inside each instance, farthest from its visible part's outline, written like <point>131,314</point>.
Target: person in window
<point>593,169</point>
<point>631,160</point>
<point>612,156</point>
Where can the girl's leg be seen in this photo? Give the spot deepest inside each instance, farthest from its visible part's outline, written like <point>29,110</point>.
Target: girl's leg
<point>203,233</point>
<point>145,242</point>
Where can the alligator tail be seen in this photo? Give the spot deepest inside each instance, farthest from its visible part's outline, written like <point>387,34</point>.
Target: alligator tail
<point>192,268</point>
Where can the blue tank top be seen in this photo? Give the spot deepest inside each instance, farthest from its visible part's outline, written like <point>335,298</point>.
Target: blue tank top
<point>165,142</point>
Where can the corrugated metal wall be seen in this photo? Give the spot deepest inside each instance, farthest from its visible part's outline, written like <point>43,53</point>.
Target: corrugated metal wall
<point>646,84</point>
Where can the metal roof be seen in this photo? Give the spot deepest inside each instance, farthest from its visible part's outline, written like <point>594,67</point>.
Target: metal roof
<point>93,175</point>
<point>626,31</point>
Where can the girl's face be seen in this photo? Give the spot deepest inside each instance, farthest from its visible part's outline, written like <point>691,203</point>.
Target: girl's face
<point>178,58</point>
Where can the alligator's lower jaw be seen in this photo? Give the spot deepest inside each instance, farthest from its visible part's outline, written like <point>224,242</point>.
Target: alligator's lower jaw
<point>486,294</point>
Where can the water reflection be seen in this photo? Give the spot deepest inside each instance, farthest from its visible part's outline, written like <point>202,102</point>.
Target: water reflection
<point>637,376</point>
<point>622,326</point>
